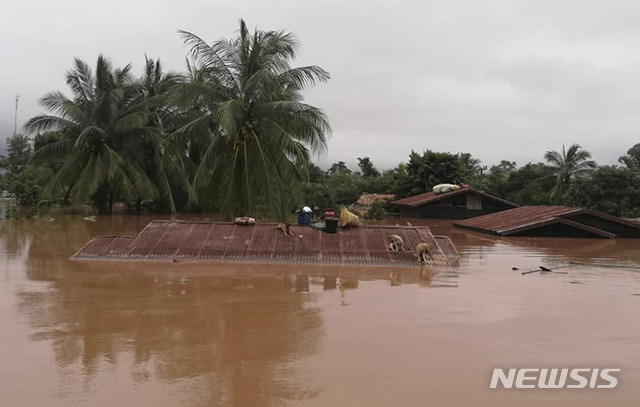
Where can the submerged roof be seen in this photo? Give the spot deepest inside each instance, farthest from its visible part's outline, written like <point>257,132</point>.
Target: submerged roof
<point>429,197</point>
<point>528,218</point>
<point>218,241</point>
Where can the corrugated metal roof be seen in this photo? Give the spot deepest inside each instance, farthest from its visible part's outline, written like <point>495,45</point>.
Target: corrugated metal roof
<point>526,218</point>
<point>429,197</point>
<point>200,240</point>
<point>448,248</point>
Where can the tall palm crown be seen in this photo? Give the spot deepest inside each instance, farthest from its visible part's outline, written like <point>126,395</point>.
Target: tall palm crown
<point>99,123</point>
<point>566,165</point>
<point>260,133</point>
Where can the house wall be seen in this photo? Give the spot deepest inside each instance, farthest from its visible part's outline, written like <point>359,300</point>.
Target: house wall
<point>557,230</point>
<point>620,229</point>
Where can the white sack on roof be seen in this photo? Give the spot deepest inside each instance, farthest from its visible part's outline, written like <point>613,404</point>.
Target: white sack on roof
<point>442,188</point>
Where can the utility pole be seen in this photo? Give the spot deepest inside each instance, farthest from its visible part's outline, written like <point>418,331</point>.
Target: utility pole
<point>15,120</point>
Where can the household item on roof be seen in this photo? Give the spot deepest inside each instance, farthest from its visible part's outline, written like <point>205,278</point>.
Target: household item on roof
<point>244,220</point>
<point>307,209</point>
<point>348,219</point>
<point>442,188</point>
<point>331,225</point>
<point>319,226</point>
<point>329,213</point>
<point>304,217</point>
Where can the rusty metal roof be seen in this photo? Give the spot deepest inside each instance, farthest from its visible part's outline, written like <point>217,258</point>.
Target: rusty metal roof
<point>429,197</point>
<point>166,240</point>
<point>525,218</point>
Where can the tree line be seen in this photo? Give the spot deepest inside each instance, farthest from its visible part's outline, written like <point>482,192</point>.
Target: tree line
<point>233,135</point>
<point>565,177</point>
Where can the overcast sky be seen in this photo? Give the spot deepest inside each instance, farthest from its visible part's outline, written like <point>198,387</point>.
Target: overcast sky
<point>499,79</point>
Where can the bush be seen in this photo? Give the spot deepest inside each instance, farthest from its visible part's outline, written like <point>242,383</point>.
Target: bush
<point>376,211</point>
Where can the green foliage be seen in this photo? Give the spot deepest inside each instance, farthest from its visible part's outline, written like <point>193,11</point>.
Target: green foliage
<point>528,185</point>
<point>496,181</point>
<point>315,173</point>
<point>27,185</point>
<point>367,168</point>
<point>233,135</point>
<point>376,211</point>
<point>105,128</point>
<point>609,189</point>
<point>429,169</point>
<point>246,117</point>
<point>340,166</point>
<point>24,182</point>
<point>11,211</point>
<point>319,195</point>
<point>346,187</point>
<point>20,151</point>
<point>469,168</point>
<point>632,158</point>
<point>567,165</point>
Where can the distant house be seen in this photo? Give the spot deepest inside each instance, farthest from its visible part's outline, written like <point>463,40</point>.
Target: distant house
<point>368,199</point>
<point>459,204</point>
<point>552,221</point>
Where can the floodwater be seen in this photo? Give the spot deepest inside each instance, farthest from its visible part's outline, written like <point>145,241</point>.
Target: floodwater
<point>148,334</point>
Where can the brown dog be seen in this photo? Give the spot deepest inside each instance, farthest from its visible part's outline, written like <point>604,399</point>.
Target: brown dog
<point>285,229</point>
<point>396,243</point>
<point>424,252</point>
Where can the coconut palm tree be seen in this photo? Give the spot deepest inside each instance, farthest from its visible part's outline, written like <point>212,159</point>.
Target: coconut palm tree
<point>103,124</point>
<point>164,162</point>
<point>259,132</point>
<point>567,165</point>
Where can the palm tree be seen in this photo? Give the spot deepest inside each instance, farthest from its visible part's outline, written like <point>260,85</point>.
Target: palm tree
<point>632,158</point>
<point>102,124</point>
<point>566,165</point>
<point>164,161</point>
<point>260,134</point>
<point>469,167</point>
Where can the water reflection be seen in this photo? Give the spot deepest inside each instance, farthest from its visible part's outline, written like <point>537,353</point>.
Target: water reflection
<point>246,335</point>
<point>240,328</point>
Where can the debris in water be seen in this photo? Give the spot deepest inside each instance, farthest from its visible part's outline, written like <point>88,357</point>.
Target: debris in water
<point>543,268</point>
<point>90,218</point>
<point>49,219</point>
<point>515,268</point>
<point>183,280</point>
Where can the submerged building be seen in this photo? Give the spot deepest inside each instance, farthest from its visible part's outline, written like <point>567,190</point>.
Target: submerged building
<point>552,221</point>
<point>191,240</point>
<point>459,204</point>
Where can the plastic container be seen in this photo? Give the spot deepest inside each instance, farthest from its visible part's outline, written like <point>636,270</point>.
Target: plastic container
<point>304,218</point>
<point>331,225</point>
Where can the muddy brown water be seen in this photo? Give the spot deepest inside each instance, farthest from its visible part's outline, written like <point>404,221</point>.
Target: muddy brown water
<point>150,334</point>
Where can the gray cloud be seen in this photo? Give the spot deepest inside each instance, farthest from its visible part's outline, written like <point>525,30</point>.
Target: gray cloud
<point>500,79</point>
